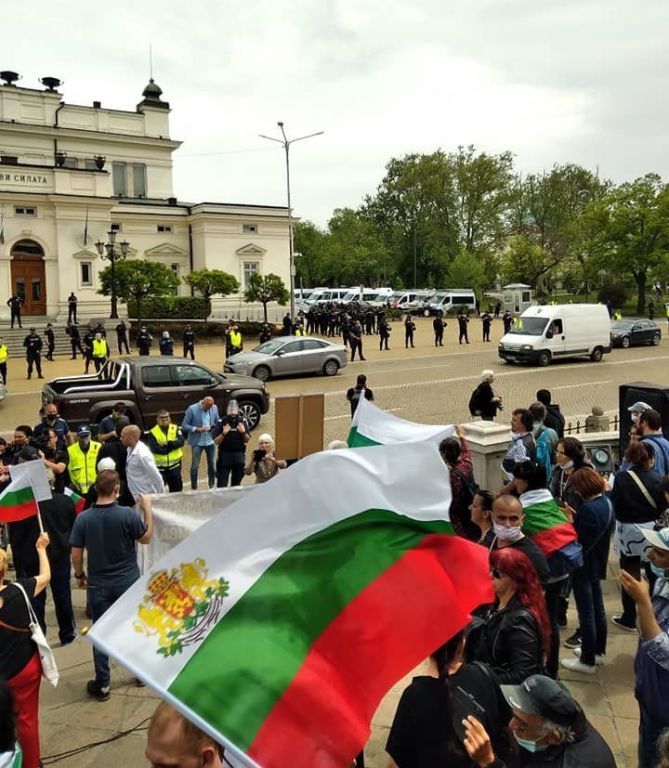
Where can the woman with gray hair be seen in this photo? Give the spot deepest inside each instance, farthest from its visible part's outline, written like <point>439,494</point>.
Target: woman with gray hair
<point>484,402</point>
<point>264,464</point>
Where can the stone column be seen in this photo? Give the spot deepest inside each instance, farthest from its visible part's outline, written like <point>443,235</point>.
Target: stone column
<point>488,441</point>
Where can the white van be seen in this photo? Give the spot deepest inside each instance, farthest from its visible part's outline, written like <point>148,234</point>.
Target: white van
<point>366,294</point>
<point>409,301</point>
<point>544,333</point>
<point>446,300</point>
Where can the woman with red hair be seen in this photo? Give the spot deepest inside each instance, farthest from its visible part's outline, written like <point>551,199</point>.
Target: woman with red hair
<point>517,631</point>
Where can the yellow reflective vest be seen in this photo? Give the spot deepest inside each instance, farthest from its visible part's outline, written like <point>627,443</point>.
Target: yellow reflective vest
<point>99,348</point>
<point>170,459</point>
<point>4,353</point>
<point>236,339</point>
<point>82,466</point>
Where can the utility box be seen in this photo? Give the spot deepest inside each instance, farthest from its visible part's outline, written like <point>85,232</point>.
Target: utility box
<point>300,423</point>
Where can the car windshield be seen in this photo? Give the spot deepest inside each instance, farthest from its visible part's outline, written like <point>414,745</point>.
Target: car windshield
<point>269,347</point>
<point>622,325</point>
<point>529,326</point>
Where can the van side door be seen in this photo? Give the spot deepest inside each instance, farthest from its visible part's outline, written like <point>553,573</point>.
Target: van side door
<point>555,337</point>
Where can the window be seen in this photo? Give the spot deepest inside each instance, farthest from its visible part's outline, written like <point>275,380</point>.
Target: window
<point>139,179</point>
<point>292,346</point>
<point>23,211</point>
<point>119,180</point>
<point>157,376</point>
<point>312,344</point>
<point>250,268</point>
<point>164,228</point>
<point>115,227</point>
<point>556,327</point>
<point>250,229</point>
<point>86,271</point>
<point>193,376</point>
<point>36,289</point>
<point>176,269</point>
<point>71,162</point>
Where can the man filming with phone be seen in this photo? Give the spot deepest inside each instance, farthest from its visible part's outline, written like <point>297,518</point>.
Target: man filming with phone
<point>231,439</point>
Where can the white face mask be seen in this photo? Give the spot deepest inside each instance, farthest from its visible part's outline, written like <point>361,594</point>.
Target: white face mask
<point>635,418</point>
<point>567,465</point>
<point>506,533</point>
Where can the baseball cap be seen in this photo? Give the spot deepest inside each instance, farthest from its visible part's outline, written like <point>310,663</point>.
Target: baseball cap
<point>541,695</point>
<point>639,407</point>
<point>658,539</point>
<point>84,429</point>
<point>119,407</point>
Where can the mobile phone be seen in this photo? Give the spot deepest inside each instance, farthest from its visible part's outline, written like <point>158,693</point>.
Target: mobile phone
<point>464,705</point>
<point>259,454</point>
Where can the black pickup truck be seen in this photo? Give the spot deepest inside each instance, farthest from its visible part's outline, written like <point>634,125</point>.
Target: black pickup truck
<point>148,384</point>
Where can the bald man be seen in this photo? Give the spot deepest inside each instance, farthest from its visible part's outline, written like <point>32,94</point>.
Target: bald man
<point>507,522</point>
<point>141,471</point>
<point>175,742</point>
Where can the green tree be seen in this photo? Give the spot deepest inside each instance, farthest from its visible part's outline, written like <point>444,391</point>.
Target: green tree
<point>211,282</point>
<point>525,261</point>
<point>466,271</point>
<point>266,288</point>
<point>628,231</point>
<point>137,279</point>
<point>355,250</point>
<point>310,243</point>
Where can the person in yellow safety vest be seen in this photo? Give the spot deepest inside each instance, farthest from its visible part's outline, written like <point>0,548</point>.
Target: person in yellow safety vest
<point>4,354</point>
<point>166,444</point>
<point>100,351</point>
<point>235,340</point>
<point>617,315</point>
<point>83,460</point>
<point>299,330</point>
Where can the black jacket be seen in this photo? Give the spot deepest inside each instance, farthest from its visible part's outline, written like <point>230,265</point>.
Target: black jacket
<point>511,643</point>
<point>629,502</point>
<point>554,420</point>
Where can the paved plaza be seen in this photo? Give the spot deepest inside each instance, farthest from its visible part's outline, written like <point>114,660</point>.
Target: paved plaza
<point>422,384</point>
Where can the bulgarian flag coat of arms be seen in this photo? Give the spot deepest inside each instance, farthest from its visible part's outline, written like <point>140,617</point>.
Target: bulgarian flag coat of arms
<point>280,624</point>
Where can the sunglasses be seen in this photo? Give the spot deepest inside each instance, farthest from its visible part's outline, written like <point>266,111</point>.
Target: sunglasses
<point>496,573</point>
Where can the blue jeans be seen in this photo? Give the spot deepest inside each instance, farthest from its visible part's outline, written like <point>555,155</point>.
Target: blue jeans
<point>197,450</point>
<point>591,615</point>
<point>650,730</point>
<point>99,599</point>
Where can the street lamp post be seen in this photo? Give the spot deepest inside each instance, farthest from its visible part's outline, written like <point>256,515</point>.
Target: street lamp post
<point>112,253</point>
<point>286,142</point>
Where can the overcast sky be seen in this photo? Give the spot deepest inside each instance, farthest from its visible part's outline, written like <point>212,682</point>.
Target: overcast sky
<point>553,81</point>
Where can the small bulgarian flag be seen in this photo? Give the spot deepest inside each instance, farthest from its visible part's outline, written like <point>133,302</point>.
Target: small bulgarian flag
<point>545,522</point>
<point>278,626</point>
<point>79,501</point>
<point>373,426</point>
<point>17,501</point>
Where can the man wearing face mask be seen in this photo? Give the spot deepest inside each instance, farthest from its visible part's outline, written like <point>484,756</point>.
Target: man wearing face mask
<point>507,523</point>
<point>53,421</point>
<point>83,459</point>
<point>652,658</point>
<point>232,437</point>
<point>549,726</point>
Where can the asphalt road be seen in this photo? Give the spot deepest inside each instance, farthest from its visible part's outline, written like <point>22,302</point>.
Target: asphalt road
<point>424,384</point>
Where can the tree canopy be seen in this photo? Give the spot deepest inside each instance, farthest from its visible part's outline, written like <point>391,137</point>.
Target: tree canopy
<point>138,278</point>
<point>266,288</point>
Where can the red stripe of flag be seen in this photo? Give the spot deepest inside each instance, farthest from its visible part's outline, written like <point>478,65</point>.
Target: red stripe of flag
<point>552,539</point>
<point>18,512</point>
<point>416,605</point>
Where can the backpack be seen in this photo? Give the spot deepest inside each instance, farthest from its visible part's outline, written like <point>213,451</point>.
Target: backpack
<point>474,404</point>
<point>543,455</point>
<point>566,560</point>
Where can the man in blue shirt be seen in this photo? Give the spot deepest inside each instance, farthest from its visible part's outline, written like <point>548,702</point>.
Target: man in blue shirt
<point>109,533</point>
<point>107,427</point>
<point>650,424</point>
<point>53,421</point>
<point>200,420</point>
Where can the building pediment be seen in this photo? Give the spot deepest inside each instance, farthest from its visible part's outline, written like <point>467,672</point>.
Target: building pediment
<point>251,249</point>
<point>165,249</point>
<point>85,254</point>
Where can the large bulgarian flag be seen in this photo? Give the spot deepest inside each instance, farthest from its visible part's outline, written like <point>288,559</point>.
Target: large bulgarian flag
<point>545,522</point>
<point>28,485</point>
<point>279,625</point>
<point>373,426</point>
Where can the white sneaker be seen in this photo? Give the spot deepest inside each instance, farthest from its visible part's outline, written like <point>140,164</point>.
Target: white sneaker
<point>576,665</point>
<point>599,657</point>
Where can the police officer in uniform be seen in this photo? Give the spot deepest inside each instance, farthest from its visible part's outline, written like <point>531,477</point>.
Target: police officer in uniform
<point>33,347</point>
<point>486,322</point>
<point>50,341</point>
<point>166,344</point>
<point>409,328</point>
<point>88,348</point>
<point>438,324</point>
<point>507,320</point>
<point>72,309</point>
<point>236,344</point>
<point>232,437</point>
<point>144,340</point>
<point>15,303</point>
<point>100,351</point>
<point>166,444</point>
<point>4,354</point>
<point>384,332</point>
<point>463,321</point>
<point>122,338</point>
<point>75,340</point>
<point>83,460</point>
<point>265,333</point>
<point>189,342</point>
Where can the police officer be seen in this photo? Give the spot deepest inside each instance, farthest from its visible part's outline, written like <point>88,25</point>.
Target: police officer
<point>409,328</point>
<point>83,459</point>
<point>166,344</point>
<point>15,303</point>
<point>33,347</point>
<point>384,332</point>
<point>189,342</point>
<point>232,437</point>
<point>100,351</point>
<point>486,322</point>
<point>50,341</point>
<point>265,333</point>
<point>507,320</point>
<point>75,340</point>
<point>122,338</point>
<point>236,344</point>
<point>143,340</point>
<point>438,324</point>
<point>463,321</point>
<point>72,309</point>
<point>166,444</point>
<point>88,348</point>
<point>4,354</point>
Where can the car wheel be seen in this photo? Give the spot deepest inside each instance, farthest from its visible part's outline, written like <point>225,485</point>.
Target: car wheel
<point>597,354</point>
<point>625,342</point>
<point>262,372</point>
<point>544,358</point>
<point>655,340</point>
<point>250,412</point>
<point>330,368</point>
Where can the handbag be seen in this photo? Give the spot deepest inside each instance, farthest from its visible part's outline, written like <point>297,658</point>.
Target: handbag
<point>49,668</point>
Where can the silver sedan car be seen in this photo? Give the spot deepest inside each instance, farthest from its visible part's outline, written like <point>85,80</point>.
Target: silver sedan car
<point>289,356</point>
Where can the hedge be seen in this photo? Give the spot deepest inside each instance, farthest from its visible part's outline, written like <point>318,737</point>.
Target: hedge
<point>176,307</point>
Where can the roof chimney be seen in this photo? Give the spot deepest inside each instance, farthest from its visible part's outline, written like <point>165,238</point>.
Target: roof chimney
<point>97,104</point>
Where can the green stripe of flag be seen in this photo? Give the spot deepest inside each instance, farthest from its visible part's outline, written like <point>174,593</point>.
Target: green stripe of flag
<point>16,498</point>
<point>298,597</point>
<point>540,517</point>
<point>356,440</point>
